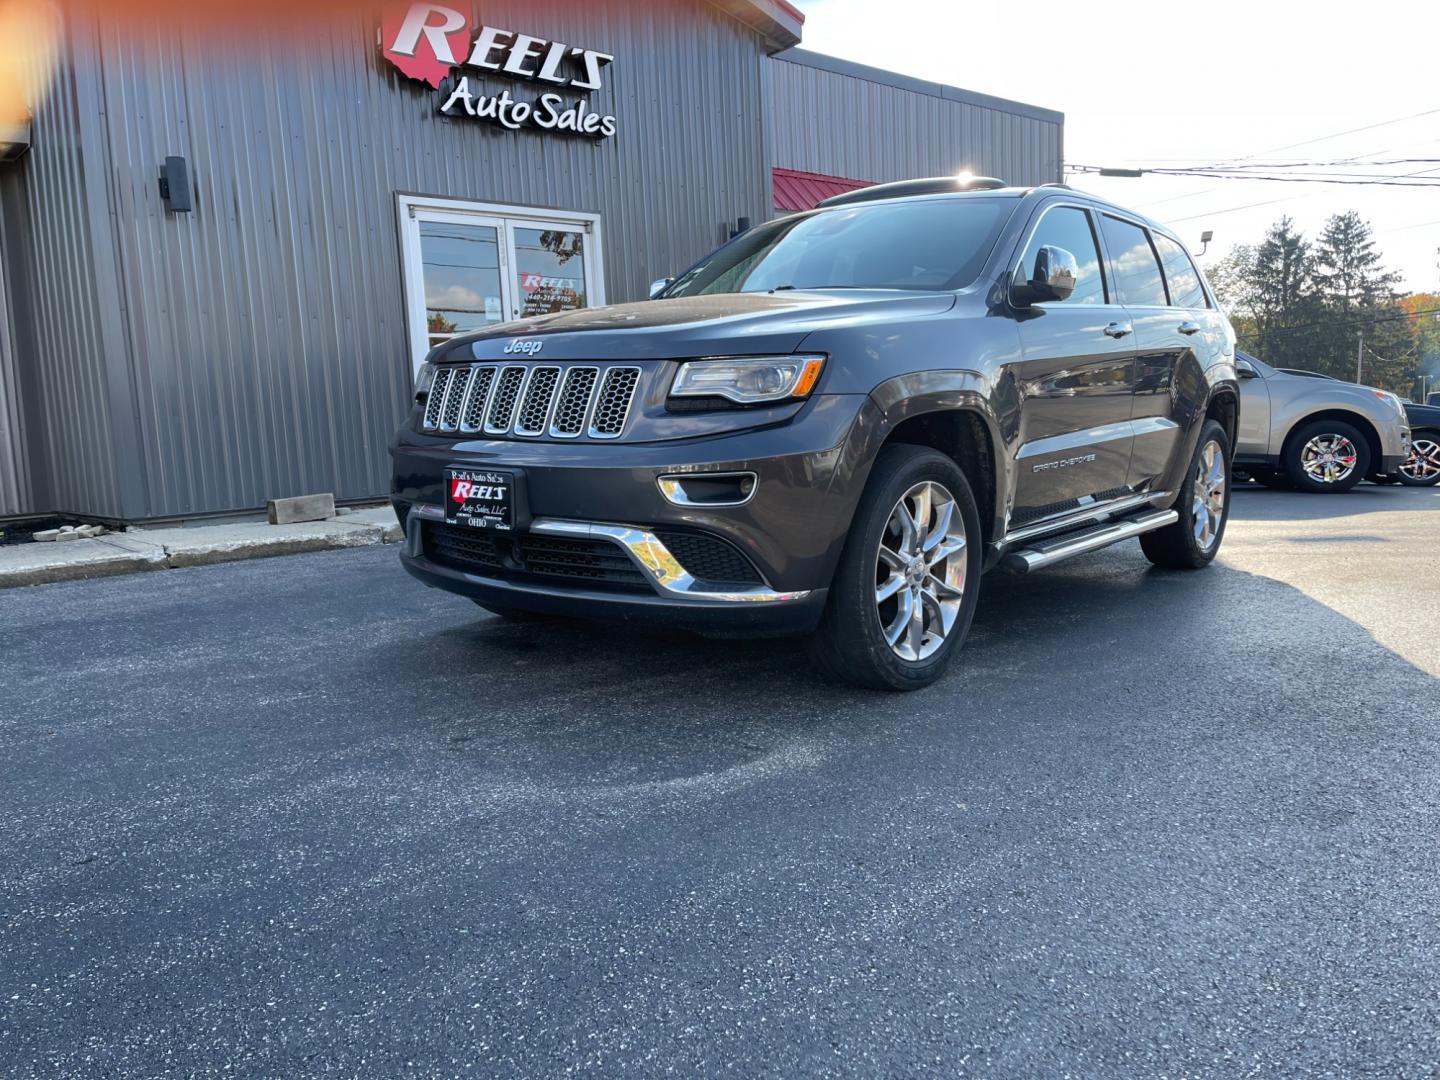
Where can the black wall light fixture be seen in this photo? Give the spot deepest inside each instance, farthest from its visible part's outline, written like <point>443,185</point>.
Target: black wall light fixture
<point>175,185</point>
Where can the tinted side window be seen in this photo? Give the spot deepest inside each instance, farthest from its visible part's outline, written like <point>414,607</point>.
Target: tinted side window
<point>1180,274</point>
<point>1132,264</point>
<point>1068,227</point>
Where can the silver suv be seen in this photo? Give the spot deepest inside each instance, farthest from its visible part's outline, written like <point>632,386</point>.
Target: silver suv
<point>1319,434</point>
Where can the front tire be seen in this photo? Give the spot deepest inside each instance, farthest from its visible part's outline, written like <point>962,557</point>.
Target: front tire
<point>909,577</point>
<point>1327,457</point>
<point>1422,467</point>
<point>1203,505</point>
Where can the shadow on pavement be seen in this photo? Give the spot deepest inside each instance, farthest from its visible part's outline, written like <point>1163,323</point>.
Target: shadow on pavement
<point>1255,503</point>
<point>1153,823</point>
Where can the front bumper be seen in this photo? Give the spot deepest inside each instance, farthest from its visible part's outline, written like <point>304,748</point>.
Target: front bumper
<point>790,530</point>
<point>760,613</point>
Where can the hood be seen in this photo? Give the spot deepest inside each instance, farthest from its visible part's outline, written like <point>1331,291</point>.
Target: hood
<point>725,324</point>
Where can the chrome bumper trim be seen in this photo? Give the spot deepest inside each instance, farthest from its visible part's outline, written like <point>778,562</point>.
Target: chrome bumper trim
<point>653,557</point>
<point>648,553</point>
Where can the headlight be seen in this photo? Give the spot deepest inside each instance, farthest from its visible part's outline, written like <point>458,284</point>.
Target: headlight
<point>751,380</point>
<point>424,378</point>
<point>1395,402</point>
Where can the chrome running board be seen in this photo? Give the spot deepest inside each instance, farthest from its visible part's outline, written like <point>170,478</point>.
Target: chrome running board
<point>1048,552</point>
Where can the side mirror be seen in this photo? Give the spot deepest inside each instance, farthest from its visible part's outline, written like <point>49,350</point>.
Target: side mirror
<point>1053,278</point>
<point>659,285</point>
<point>1246,370</point>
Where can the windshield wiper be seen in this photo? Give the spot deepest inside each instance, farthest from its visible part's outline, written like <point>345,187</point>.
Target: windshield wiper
<point>782,288</point>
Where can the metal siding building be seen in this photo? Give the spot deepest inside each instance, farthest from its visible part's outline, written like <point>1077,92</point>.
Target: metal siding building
<point>848,120</point>
<point>167,365</point>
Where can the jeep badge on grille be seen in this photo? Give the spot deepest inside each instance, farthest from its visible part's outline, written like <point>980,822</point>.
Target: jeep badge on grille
<point>520,345</point>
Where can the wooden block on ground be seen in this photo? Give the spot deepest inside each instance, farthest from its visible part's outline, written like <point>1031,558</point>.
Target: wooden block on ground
<point>300,508</point>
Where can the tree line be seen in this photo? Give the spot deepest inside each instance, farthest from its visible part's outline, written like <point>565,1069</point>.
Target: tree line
<point>1329,305</point>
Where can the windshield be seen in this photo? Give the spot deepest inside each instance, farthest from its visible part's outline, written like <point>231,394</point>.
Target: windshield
<point>933,244</point>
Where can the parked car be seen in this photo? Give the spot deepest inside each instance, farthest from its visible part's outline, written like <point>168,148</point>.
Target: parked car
<point>1422,467</point>
<point>833,424</point>
<point>1318,434</point>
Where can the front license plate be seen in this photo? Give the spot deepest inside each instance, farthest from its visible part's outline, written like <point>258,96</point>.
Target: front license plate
<point>483,498</point>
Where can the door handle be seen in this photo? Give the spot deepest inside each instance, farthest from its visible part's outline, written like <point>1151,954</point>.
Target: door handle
<point>1188,328</point>
<point>1118,329</point>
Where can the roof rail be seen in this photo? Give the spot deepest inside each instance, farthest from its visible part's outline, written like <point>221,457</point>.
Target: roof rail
<point>933,185</point>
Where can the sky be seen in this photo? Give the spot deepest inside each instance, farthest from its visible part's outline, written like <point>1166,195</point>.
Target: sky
<point>1147,84</point>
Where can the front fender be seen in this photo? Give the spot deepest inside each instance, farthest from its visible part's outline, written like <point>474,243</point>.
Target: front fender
<point>914,394</point>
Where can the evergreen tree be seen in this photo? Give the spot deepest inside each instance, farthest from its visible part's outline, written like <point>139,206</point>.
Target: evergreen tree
<point>1347,268</point>
<point>1280,279</point>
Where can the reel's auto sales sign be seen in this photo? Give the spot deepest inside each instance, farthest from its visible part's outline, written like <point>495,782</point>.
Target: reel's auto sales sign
<point>428,42</point>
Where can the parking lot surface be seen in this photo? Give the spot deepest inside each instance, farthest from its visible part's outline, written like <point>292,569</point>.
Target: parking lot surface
<point>303,816</point>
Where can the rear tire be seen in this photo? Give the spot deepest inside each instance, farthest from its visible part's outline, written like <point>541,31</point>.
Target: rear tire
<point>1203,505</point>
<point>895,564</point>
<point>1327,457</point>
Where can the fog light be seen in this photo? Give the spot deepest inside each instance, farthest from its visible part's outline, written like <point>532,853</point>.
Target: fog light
<point>709,489</point>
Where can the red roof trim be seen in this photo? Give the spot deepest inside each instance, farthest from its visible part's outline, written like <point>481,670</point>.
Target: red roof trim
<point>796,190</point>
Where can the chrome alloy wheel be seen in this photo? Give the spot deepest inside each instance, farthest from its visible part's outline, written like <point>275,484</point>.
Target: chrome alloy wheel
<point>1328,459</point>
<point>1208,505</point>
<point>920,571</point>
<point>1424,460</point>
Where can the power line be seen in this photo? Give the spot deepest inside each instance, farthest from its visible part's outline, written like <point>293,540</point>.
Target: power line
<point>1372,179</point>
<point>1327,138</point>
<point>1313,164</point>
<point>1351,320</point>
<point>1266,202</point>
<point>1403,228</point>
<point>1230,210</point>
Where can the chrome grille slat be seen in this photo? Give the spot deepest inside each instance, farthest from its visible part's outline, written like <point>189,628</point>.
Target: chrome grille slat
<point>480,386</point>
<point>529,400</point>
<point>613,401</point>
<point>455,398</point>
<point>572,404</point>
<point>436,401</point>
<point>539,396</point>
<point>501,413</point>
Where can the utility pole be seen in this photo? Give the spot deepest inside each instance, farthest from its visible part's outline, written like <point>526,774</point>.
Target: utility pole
<point>1359,353</point>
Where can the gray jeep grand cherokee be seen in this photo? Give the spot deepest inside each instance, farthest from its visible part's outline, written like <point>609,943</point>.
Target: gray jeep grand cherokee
<point>833,425</point>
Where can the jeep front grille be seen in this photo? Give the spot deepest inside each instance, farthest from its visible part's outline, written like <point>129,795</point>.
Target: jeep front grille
<point>532,400</point>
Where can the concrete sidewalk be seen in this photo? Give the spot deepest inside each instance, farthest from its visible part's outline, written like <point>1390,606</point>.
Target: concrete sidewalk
<point>160,549</point>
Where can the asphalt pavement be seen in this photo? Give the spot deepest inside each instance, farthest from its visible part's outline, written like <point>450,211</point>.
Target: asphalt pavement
<point>305,817</point>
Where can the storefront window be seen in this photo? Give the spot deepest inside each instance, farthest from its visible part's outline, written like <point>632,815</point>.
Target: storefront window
<point>461,268</point>
<point>469,266</point>
<point>549,270</point>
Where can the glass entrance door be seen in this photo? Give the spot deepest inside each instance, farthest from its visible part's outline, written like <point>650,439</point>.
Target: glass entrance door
<point>460,263</point>
<point>471,265</point>
<point>549,268</point>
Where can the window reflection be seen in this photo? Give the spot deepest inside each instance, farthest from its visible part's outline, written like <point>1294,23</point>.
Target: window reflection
<point>1068,227</point>
<point>550,270</point>
<point>1137,274</point>
<point>1180,274</point>
<point>461,268</point>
